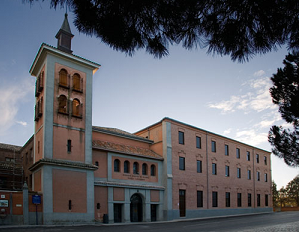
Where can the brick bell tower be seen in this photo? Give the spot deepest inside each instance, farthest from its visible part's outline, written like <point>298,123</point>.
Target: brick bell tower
<point>62,169</point>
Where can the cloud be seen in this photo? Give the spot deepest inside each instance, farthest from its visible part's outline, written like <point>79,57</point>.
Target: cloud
<point>269,119</point>
<point>11,99</point>
<point>22,123</point>
<point>251,137</point>
<point>257,98</point>
<point>266,123</point>
<point>226,106</point>
<point>228,131</point>
<point>259,73</point>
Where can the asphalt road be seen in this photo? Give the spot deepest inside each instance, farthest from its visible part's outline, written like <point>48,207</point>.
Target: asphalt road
<point>283,221</point>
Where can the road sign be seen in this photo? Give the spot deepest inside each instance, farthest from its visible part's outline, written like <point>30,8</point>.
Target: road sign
<point>36,199</point>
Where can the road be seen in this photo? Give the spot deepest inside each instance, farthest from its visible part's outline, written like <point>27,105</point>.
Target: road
<point>283,221</point>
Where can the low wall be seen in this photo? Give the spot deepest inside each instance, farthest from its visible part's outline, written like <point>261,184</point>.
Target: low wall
<point>290,209</point>
<point>17,208</point>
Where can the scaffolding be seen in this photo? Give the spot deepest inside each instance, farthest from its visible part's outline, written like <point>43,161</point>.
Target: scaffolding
<point>11,173</point>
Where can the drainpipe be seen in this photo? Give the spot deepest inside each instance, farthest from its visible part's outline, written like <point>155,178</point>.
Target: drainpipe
<point>207,163</point>
<point>254,179</point>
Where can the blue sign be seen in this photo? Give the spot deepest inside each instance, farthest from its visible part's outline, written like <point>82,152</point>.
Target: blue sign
<point>36,199</point>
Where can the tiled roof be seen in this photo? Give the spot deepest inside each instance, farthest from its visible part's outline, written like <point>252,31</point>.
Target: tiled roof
<point>80,57</point>
<point>64,163</point>
<point>126,149</point>
<point>10,147</point>
<point>119,132</point>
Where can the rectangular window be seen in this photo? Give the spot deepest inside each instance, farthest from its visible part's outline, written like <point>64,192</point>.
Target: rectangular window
<point>258,176</point>
<point>238,153</point>
<point>238,172</point>
<point>70,204</point>
<point>198,142</point>
<point>227,199</point>
<point>182,163</point>
<point>7,159</point>
<point>181,137</point>
<point>239,196</point>
<point>226,150</point>
<point>226,170</point>
<point>249,174</point>
<point>266,200</point>
<point>257,158</point>
<point>266,177</point>
<point>248,156</point>
<point>199,166</point>
<point>214,169</point>
<point>265,160</point>
<point>69,145</point>
<point>199,199</point>
<point>214,199</point>
<point>213,146</point>
<point>249,199</point>
<point>182,202</point>
<point>38,146</point>
<point>258,199</point>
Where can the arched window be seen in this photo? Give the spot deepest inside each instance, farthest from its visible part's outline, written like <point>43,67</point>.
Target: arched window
<point>76,82</point>
<point>135,168</point>
<point>63,77</point>
<point>153,170</point>
<point>76,108</point>
<point>144,169</point>
<point>126,166</point>
<point>62,104</point>
<point>116,165</point>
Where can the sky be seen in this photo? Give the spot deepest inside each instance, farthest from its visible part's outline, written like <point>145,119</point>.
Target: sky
<point>130,93</point>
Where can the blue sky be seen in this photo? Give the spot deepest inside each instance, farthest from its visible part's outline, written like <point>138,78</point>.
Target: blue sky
<point>130,93</point>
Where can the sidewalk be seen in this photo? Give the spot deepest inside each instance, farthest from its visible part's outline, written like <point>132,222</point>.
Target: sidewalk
<point>127,224</point>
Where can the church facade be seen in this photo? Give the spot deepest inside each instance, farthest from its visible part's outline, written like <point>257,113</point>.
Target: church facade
<point>169,170</point>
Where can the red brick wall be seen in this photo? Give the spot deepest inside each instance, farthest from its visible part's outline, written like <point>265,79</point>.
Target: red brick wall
<point>17,201</point>
<point>155,196</point>
<point>69,185</point>
<point>118,194</point>
<point>37,181</point>
<point>100,196</point>
<point>101,158</point>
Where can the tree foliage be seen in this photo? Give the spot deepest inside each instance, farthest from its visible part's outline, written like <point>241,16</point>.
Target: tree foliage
<point>288,196</point>
<point>275,194</point>
<point>239,28</point>
<point>285,94</point>
<point>292,189</point>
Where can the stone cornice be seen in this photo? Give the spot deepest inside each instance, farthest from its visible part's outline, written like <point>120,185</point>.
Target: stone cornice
<point>126,185</point>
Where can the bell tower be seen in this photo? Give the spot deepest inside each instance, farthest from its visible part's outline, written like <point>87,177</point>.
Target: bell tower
<point>63,169</point>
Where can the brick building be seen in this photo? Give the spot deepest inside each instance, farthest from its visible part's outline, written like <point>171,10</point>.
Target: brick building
<point>206,174</point>
<point>166,171</point>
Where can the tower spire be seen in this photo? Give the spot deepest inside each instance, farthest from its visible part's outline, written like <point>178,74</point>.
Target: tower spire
<point>64,36</point>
